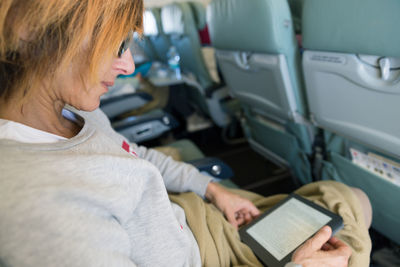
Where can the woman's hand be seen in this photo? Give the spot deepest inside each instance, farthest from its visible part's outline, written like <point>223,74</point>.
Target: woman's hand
<point>237,210</point>
<point>322,250</point>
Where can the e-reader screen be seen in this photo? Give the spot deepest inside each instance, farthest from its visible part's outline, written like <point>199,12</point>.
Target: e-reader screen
<point>284,228</point>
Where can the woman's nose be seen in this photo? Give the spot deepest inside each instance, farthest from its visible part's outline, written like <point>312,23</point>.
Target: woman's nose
<point>125,63</point>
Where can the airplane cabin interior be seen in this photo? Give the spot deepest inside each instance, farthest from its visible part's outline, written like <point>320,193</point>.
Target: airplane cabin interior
<point>270,95</point>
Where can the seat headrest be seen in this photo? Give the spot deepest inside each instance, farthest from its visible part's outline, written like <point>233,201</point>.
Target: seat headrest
<point>199,13</point>
<point>263,26</point>
<point>352,26</point>
<point>149,24</point>
<point>172,19</point>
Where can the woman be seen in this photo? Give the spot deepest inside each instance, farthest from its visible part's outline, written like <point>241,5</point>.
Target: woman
<point>74,192</point>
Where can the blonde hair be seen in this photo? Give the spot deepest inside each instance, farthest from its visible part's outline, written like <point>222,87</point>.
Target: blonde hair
<point>40,38</point>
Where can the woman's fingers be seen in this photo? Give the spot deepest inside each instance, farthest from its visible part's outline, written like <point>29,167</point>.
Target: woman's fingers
<point>319,239</point>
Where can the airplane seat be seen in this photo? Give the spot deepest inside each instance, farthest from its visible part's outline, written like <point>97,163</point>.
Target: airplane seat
<point>144,42</point>
<point>352,73</point>
<point>199,13</point>
<point>258,55</point>
<point>155,34</point>
<point>178,22</point>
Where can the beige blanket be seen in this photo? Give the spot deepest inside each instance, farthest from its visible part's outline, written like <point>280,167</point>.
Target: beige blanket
<point>219,242</point>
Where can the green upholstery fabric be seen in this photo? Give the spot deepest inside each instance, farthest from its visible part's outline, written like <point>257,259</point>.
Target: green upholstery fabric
<point>253,25</point>
<point>199,13</point>
<point>286,143</point>
<point>360,26</point>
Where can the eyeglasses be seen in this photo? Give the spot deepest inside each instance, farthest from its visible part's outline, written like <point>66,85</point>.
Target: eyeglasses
<point>126,43</point>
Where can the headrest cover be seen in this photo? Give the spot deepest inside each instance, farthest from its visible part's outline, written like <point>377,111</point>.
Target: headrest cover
<point>149,24</point>
<point>199,13</point>
<point>263,26</point>
<point>172,19</point>
<point>352,26</point>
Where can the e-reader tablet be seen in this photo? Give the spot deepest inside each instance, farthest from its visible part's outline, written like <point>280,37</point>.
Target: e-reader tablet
<point>276,234</point>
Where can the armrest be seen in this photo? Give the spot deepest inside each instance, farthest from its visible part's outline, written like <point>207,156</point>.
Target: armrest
<point>118,105</point>
<point>214,167</point>
<point>157,114</point>
<point>147,126</point>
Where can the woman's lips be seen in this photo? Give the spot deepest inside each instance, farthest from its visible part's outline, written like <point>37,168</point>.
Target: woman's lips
<point>107,85</point>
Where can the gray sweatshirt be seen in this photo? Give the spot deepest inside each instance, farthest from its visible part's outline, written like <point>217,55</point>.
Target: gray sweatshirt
<point>93,200</point>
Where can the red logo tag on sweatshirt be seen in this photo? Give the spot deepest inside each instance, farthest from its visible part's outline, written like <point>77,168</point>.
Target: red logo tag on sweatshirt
<point>128,148</point>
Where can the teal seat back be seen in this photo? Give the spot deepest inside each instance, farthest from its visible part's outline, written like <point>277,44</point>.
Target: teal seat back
<point>351,66</point>
<point>339,26</point>
<point>199,14</point>
<point>256,46</point>
<point>259,58</point>
<point>208,51</point>
<point>352,73</point>
<point>179,23</point>
<point>154,33</point>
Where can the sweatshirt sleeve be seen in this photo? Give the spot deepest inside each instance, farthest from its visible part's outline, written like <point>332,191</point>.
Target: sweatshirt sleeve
<point>178,176</point>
